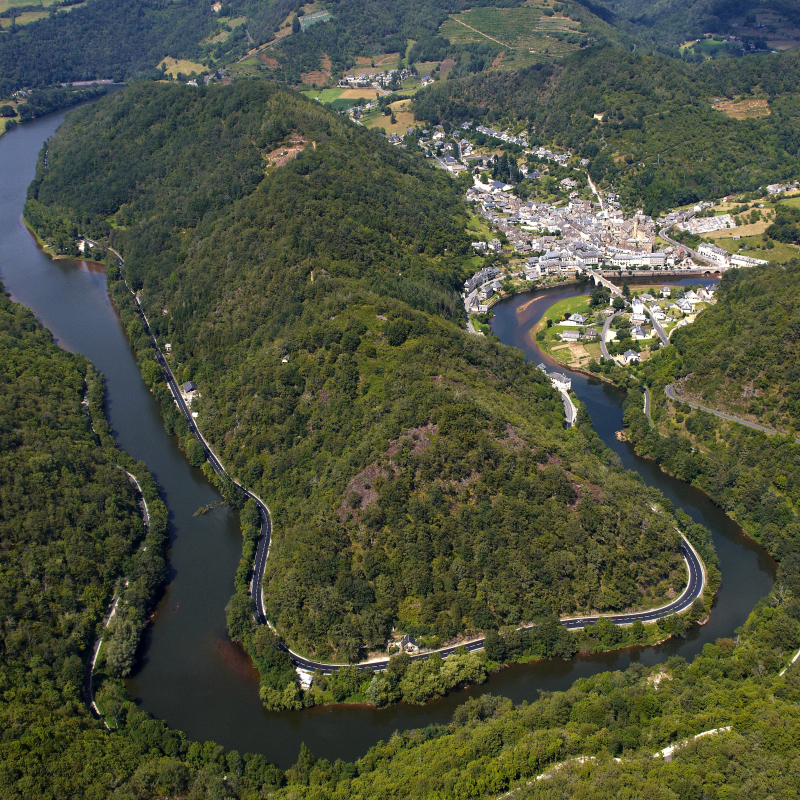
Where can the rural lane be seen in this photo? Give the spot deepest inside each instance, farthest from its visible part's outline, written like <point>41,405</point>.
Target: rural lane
<point>692,591</point>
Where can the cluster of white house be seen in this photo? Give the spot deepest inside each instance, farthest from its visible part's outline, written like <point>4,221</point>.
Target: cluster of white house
<point>723,259</point>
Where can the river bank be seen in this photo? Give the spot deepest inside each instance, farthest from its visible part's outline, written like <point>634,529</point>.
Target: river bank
<point>187,675</point>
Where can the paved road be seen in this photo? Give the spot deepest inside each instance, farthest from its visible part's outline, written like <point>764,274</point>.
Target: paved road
<point>658,329</point>
<point>570,412</point>
<point>670,392</point>
<point>692,253</point>
<point>647,406</point>
<point>693,590</point>
<point>603,334</point>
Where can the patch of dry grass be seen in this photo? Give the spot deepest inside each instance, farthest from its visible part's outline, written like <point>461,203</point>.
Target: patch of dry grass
<point>744,108</point>
<point>175,65</point>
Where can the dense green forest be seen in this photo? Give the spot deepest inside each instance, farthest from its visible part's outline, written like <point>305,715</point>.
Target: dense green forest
<point>70,517</point>
<point>664,24</point>
<point>71,532</point>
<point>737,357</point>
<point>660,140</point>
<point>106,39</point>
<point>418,477</point>
<point>741,355</point>
<point>70,528</point>
<point>491,746</point>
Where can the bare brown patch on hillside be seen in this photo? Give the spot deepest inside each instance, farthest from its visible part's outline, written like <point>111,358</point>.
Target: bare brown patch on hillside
<point>286,153</point>
<point>360,492</point>
<point>271,62</point>
<point>498,59</point>
<point>446,67</point>
<point>319,76</point>
<point>745,108</point>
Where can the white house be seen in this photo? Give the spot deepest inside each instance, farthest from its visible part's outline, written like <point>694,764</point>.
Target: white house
<point>631,357</point>
<point>560,381</point>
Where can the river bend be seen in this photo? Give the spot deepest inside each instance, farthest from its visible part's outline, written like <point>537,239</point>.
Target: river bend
<point>190,674</point>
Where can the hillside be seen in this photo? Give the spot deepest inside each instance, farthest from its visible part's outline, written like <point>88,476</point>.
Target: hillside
<point>742,354</point>
<point>651,125</point>
<point>105,39</point>
<point>737,357</point>
<point>70,531</point>
<point>418,477</point>
<point>665,24</point>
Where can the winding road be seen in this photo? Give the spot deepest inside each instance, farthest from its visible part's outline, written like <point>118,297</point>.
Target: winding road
<point>647,406</point>
<point>669,390</point>
<point>694,566</point>
<point>603,334</point>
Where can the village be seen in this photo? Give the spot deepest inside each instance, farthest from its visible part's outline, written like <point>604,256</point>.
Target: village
<point>581,332</point>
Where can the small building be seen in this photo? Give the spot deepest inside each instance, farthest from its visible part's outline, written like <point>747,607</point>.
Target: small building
<point>560,381</point>
<point>542,366</point>
<point>570,336</point>
<point>639,332</point>
<point>577,319</point>
<point>666,291</point>
<point>631,357</point>
<point>189,386</point>
<point>591,333</point>
<point>408,644</point>
<point>285,360</point>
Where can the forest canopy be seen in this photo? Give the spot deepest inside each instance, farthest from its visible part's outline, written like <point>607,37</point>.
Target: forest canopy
<point>418,477</point>
<point>648,123</point>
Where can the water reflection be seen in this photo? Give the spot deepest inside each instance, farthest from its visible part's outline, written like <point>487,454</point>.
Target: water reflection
<point>190,675</point>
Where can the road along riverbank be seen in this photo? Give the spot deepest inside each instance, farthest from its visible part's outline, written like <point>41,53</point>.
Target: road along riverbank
<point>694,566</point>
<point>189,673</point>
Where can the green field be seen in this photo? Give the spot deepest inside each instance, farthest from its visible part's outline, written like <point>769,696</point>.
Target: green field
<point>324,95</point>
<point>780,254</point>
<point>525,34</point>
<point>6,4</point>
<point>24,19</point>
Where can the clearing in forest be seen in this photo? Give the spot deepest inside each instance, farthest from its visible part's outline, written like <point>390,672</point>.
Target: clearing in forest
<point>744,107</point>
<point>404,119</point>
<point>175,65</point>
<point>527,34</point>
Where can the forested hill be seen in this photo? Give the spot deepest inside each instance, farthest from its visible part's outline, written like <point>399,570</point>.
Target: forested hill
<point>305,274</point>
<point>103,39</point>
<point>652,125</point>
<point>742,353</point>
<point>70,531</point>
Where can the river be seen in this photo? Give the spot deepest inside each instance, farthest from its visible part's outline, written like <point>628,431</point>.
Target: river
<point>190,674</point>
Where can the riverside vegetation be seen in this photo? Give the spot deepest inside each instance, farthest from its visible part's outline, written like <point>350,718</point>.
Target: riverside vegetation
<point>738,357</point>
<point>418,477</point>
<point>71,536</point>
<point>50,747</point>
